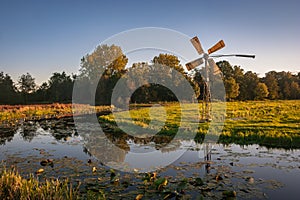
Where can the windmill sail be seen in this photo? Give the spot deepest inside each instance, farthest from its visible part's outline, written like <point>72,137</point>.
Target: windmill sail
<point>196,43</point>
<point>194,63</point>
<point>216,47</point>
<point>213,67</point>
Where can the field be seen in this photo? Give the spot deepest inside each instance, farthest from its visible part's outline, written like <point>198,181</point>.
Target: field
<point>268,123</point>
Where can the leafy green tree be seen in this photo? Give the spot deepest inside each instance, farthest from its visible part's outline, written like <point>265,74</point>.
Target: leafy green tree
<point>169,60</point>
<point>284,82</point>
<point>272,84</point>
<point>248,86</point>
<point>60,87</point>
<point>42,93</point>
<point>107,62</point>
<point>104,58</point>
<point>238,74</point>
<point>232,78</point>
<point>173,62</point>
<point>151,92</point>
<point>8,93</point>
<point>226,69</point>
<point>164,68</point>
<point>26,85</point>
<point>295,90</point>
<point>261,91</point>
<point>231,88</point>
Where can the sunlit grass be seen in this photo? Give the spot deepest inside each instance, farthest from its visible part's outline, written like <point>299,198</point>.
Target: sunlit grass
<point>13,114</point>
<point>270,123</point>
<point>14,186</point>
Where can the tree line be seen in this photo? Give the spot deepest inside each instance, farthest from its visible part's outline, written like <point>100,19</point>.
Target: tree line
<point>25,91</point>
<point>104,67</point>
<point>248,85</point>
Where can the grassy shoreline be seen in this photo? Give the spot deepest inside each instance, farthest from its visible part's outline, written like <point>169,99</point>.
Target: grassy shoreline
<point>12,115</point>
<point>267,123</point>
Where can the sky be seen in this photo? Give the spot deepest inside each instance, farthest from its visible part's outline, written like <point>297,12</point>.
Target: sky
<point>42,36</point>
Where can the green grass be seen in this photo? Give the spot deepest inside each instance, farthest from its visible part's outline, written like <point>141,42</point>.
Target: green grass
<point>268,123</point>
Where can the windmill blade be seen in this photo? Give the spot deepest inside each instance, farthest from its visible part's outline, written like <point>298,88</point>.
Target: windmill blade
<point>196,43</point>
<point>216,47</point>
<point>194,63</point>
<point>213,67</point>
<point>246,56</point>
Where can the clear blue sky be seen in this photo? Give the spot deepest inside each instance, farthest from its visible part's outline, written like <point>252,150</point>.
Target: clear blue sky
<point>42,37</point>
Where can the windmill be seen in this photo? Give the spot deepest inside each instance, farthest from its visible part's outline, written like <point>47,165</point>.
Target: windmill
<point>210,66</point>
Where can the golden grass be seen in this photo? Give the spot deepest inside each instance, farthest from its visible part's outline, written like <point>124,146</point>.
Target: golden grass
<point>13,186</point>
<point>13,114</point>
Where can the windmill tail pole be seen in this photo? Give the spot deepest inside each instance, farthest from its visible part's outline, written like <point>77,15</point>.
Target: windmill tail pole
<point>236,55</point>
<point>247,56</point>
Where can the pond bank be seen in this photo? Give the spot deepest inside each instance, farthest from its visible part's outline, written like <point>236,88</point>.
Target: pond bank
<point>12,115</point>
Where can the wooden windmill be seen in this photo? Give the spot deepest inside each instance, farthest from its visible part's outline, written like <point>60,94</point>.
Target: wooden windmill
<point>210,66</point>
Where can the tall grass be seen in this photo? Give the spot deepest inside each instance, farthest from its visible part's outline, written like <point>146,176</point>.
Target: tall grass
<point>11,115</point>
<point>14,187</point>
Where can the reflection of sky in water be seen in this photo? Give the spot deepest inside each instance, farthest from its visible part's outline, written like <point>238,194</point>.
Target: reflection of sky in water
<point>152,160</point>
<point>278,164</point>
<point>19,146</point>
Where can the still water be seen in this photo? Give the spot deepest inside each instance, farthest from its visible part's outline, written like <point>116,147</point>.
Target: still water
<point>253,171</point>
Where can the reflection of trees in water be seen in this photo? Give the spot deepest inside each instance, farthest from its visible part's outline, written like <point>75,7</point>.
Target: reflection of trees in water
<point>7,134</point>
<point>175,145</point>
<point>58,128</point>
<point>104,149</point>
<point>28,130</point>
<point>110,147</point>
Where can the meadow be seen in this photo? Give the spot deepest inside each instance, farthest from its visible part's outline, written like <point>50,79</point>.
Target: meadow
<point>267,123</point>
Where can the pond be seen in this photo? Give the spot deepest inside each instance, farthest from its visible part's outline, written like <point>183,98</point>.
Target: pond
<point>253,171</point>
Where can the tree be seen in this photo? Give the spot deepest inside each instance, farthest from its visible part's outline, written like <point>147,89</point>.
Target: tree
<point>295,90</point>
<point>226,69</point>
<point>60,87</point>
<point>238,74</point>
<point>261,91</point>
<point>284,82</point>
<point>26,85</point>
<point>107,62</point>
<point>165,71</point>
<point>7,90</point>
<point>248,86</point>
<point>153,92</point>
<point>42,93</point>
<point>104,58</point>
<point>232,77</point>
<point>272,84</point>
<point>169,60</point>
<point>231,88</point>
